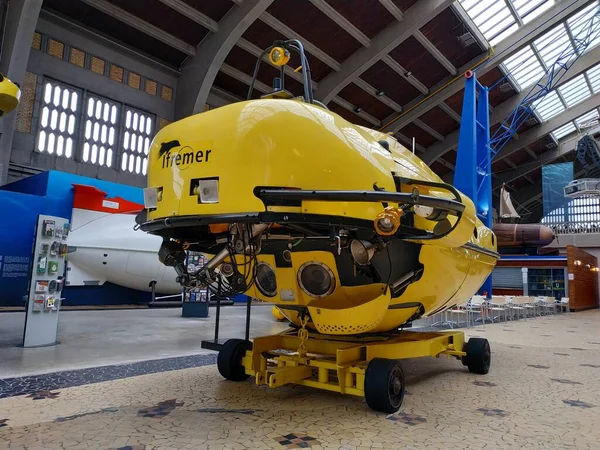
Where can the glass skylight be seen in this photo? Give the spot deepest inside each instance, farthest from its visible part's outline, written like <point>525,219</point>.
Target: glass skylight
<point>593,75</point>
<point>549,106</point>
<point>530,9</point>
<point>577,24</point>
<point>493,18</point>
<point>575,91</point>
<point>552,44</point>
<point>498,19</point>
<point>524,67</point>
<point>564,130</point>
<point>588,119</point>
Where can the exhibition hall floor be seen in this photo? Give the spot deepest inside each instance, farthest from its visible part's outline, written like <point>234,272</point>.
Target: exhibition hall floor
<point>105,337</point>
<point>543,391</point>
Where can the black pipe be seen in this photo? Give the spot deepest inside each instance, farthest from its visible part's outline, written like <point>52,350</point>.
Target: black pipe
<point>273,195</point>
<point>248,305</point>
<point>217,317</point>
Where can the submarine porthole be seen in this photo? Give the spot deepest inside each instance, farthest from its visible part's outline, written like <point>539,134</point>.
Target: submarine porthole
<point>266,281</point>
<point>475,234</point>
<point>316,279</point>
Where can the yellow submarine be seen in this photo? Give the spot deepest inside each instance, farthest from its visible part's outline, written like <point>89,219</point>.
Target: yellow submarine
<point>348,233</point>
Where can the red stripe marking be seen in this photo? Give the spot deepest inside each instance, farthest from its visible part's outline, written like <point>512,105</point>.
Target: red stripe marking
<point>94,199</point>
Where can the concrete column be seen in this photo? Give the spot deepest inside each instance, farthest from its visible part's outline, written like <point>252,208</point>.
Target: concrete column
<point>525,281</point>
<point>21,20</point>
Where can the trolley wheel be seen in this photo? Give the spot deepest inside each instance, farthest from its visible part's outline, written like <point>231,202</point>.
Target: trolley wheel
<point>384,385</point>
<point>229,360</point>
<point>479,356</point>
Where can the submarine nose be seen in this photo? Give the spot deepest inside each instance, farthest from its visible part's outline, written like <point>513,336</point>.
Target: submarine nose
<point>546,235</point>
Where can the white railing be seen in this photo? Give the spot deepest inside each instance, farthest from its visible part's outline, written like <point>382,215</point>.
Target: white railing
<point>574,227</point>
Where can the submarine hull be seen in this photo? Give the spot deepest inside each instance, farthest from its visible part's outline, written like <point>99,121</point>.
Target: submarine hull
<point>297,186</point>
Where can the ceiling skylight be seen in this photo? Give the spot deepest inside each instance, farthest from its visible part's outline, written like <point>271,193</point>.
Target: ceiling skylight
<point>577,23</point>
<point>593,75</point>
<point>524,67</point>
<point>552,44</point>
<point>564,130</point>
<point>498,19</point>
<point>588,119</point>
<point>549,106</point>
<point>575,91</point>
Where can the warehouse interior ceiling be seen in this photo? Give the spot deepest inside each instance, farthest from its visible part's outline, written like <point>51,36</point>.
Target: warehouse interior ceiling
<point>394,65</point>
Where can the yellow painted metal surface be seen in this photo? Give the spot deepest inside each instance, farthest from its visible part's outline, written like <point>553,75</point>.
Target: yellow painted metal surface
<point>292,144</point>
<point>10,94</point>
<point>339,366</point>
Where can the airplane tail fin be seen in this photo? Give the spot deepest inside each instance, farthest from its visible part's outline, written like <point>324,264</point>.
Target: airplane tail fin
<point>90,203</point>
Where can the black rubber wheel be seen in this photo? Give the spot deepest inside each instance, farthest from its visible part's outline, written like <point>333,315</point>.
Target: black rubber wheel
<point>479,356</point>
<point>229,360</point>
<point>384,385</point>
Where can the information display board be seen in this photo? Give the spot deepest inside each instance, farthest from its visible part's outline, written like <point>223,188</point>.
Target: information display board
<point>47,280</point>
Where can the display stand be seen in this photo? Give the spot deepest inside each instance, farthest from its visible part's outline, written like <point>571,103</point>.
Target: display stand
<point>46,281</point>
<point>195,300</point>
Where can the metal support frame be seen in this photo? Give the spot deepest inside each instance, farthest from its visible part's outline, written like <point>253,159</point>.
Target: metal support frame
<point>556,71</point>
<point>199,72</point>
<point>505,49</point>
<point>346,357</point>
<point>470,176</point>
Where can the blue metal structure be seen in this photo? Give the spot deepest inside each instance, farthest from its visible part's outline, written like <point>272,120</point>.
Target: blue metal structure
<point>476,149</point>
<point>473,149</point>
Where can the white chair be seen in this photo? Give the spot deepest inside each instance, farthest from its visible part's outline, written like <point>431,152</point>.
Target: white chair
<point>530,306</point>
<point>460,310</point>
<point>564,303</point>
<point>546,304</point>
<point>477,306</point>
<point>498,305</point>
<point>517,306</point>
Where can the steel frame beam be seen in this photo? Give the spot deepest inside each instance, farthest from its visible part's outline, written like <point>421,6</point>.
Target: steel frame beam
<point>192,13</point>
<point>344,23</point>
<point>311,48</point>
<point>141,25</point>
<point>392,36</point>
<point>539,131</point>
<point>435,52</point>
<point>501,111</point>
<point>506,48</point>
<point>392,9</point>
<point>199,72</point>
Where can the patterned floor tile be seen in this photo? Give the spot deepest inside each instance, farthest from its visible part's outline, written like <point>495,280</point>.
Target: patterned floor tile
<point>493,412</point>
<point>162,409</point>
<point>514,406</point>
<point>296,440</point>
<point>408,419</point>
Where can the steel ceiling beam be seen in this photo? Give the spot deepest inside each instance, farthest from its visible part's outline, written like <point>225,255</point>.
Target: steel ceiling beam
<point>564,148</point>
<point>435,52</point>
<point>265,89</point>
<point>141,25</point>
<point>583,63</point>
<point>392,9</point>
<point>192,13</point>
<point>506,48</point>
<point>453,114</point>
<point>534,134</point>
<point>344,23</point>
<point>199,72</point>
<point>282,28</point>
<point>388,39</point>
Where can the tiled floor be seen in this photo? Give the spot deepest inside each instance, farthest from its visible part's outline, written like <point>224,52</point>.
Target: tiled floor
<point>543,391</point>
